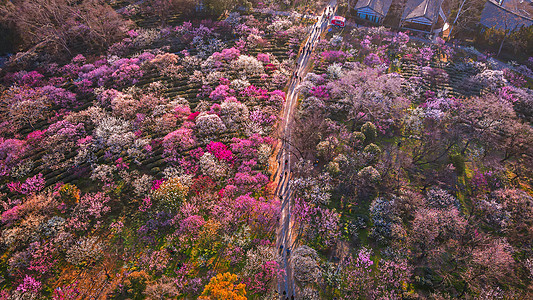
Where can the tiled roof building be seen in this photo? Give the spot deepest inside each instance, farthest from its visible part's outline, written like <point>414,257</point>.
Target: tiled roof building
<point>424,15</point>
<point>373,10</point>
<point>497,16</point>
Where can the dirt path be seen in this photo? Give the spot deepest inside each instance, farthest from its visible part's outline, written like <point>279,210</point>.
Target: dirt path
<point>285,159</point>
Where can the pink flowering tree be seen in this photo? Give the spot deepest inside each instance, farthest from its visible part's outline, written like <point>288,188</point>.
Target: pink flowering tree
<point>177,141</point>
<point>11,150</point>
<point>227,55</point>
<point>220,151</point>
<point>89,211</point>
<point>221,92</point>
<point>30,186</point>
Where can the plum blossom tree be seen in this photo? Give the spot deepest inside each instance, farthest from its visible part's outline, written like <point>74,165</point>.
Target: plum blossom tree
<point>84,251</point>
<point>30,186</point>
<point>169,194</point>
<point>366,279</point>
<point>168,65</point>
<point>356,277</point>
<point>310,189</point>
<point>221,92</point>
<point>248,66</point>
<point>509,210</point>
<point>213,167</point>
<point>209,124</point>
<point>60,139</point>
<point>305,263</point>
<point>113,133</point>
<point>91,207</point>
<point>24,106</point>
<point>365,94</point>
<point>11,150</point>
<point>261,269</point>
<point>384,220</point>
<point>177,141</point>
<point>233,113</point>
<point>494,123</point>
<point>29,287</point>
<point>220,151</point>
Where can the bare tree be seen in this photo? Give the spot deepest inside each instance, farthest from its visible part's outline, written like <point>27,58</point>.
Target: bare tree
<point>465,13</point>
<point>59,24</point>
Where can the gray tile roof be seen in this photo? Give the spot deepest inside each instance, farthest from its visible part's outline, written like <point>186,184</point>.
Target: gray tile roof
<point>499,17</point>
<point>379,6</point>
<point>422,8</point>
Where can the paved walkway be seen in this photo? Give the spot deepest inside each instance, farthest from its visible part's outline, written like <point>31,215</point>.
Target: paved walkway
<point>285,238</point>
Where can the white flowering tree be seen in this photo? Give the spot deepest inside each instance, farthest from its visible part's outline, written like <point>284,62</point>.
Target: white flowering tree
<point>233,113</point>
<point>209,125</point>
<point>248,66</point>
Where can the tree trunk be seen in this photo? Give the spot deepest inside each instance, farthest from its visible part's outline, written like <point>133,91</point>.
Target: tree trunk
<point>501,44</point>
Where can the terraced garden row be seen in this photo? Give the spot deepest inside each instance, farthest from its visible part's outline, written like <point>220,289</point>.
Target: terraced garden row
<point>455,84</point>
<point>173,88</point>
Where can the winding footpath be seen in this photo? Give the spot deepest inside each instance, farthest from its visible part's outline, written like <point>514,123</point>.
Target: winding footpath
<point>285,239</point>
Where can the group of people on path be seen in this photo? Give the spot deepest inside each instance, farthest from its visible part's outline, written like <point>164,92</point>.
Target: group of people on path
<point>298,76</point>
<point>309,46</point>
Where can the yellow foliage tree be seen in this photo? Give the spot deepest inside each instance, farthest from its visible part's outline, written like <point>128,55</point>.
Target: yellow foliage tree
<point>70,194</point>
<point>222,287</point>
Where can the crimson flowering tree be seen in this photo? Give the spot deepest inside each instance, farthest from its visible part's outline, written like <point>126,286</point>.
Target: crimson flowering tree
<point>220,92</point>
<point>31,185</point>
<point>253,93</point>
<point>220,151</point>
<point>201,184</point>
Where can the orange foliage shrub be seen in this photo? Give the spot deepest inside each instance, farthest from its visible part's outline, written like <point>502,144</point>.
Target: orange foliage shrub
<point>223,286</point>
